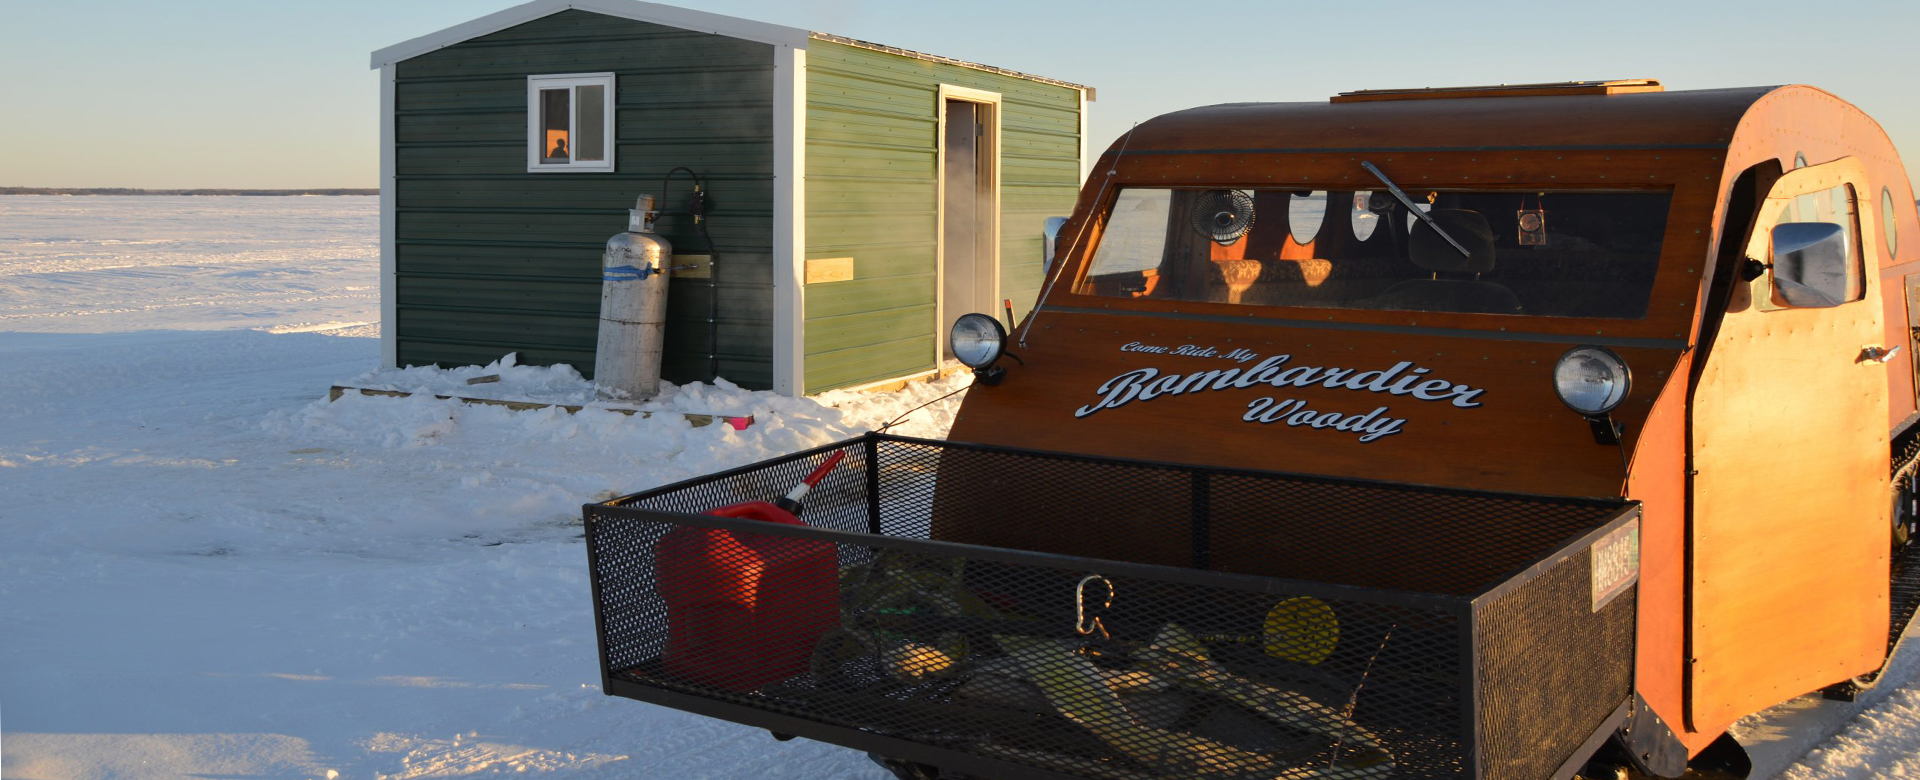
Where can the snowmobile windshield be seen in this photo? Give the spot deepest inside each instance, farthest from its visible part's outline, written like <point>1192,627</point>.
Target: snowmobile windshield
<point>1546,254</point>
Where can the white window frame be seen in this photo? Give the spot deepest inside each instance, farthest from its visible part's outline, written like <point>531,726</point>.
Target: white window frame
<point>572,82</point>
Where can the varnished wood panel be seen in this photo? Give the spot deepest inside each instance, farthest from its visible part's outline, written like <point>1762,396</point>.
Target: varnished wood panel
<point>1519,437</point>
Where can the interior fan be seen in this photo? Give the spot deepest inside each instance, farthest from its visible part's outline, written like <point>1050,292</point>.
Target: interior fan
<point>1223,216</point>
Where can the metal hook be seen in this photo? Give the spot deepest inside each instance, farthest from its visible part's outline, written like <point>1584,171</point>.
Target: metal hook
<point>1080,623</point>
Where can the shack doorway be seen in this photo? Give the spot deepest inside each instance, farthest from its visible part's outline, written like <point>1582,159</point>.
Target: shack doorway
<point>969,207</point>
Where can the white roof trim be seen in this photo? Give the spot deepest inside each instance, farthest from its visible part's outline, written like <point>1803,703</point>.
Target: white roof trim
<point>671,16</point>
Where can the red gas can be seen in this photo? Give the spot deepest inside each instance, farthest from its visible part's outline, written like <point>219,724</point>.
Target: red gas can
<point>744,610</point>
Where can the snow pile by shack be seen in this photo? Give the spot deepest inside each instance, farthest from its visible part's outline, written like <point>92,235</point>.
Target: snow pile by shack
<point>372,586</point>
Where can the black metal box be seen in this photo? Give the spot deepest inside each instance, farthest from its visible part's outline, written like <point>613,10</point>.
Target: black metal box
<point>1009,614</point>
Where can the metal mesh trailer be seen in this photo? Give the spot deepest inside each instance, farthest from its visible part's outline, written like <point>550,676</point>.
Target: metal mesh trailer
<point>1015,614</point>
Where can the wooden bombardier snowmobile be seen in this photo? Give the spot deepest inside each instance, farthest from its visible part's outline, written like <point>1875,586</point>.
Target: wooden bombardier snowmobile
<point>1486,432</point>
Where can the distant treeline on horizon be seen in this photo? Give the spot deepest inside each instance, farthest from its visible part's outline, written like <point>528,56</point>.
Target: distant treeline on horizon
<point>130,191</point>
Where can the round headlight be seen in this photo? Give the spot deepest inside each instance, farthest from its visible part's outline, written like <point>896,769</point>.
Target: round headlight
<point>977,340</point>
<point>1591,380</point>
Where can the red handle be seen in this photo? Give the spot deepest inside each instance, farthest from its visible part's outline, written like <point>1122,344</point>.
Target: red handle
<point>813,480</point>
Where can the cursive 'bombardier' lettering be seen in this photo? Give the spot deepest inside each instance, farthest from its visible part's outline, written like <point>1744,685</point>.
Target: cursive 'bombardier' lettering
<point>1402,378</point>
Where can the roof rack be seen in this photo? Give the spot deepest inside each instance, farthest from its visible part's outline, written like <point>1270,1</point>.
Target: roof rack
<point>1615,87</point>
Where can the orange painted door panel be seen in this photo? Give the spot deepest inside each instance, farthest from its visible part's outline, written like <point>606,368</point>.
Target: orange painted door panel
<point>1788,575</point>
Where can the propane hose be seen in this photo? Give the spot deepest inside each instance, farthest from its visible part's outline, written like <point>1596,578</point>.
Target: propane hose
<point>697,208</point>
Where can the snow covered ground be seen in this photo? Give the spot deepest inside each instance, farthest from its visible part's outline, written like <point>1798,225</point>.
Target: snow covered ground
<point>208,571</point>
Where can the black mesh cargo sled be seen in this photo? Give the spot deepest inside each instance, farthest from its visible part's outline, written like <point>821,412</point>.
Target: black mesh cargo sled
<point>1003,613</point>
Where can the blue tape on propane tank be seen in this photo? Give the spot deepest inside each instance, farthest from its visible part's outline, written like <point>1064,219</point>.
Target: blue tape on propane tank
<point>626,273</point>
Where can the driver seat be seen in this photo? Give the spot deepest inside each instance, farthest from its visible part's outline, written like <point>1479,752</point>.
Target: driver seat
<point>1455,285</point>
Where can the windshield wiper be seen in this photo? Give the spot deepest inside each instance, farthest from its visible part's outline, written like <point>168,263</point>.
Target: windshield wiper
<point>1408,202</point>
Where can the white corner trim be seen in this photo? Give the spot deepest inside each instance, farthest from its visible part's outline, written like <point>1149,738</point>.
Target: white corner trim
<point>943,94</point>
<point>389,281</point>
<point>789,220</point>
<point>682,18</point>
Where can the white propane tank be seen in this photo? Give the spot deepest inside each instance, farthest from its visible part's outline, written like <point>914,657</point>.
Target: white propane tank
<point>633,309</point>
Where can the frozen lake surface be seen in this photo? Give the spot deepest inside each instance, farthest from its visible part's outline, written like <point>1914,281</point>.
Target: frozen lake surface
<point>208,571</point>
<point>102,264</point>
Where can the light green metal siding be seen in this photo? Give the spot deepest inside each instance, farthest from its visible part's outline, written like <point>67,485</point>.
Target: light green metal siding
<point>492,259</point>
<point>871,189</point>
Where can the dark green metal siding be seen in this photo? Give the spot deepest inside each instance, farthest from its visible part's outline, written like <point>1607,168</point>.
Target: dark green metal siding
<point>872,145</point>
<point>491,259</point>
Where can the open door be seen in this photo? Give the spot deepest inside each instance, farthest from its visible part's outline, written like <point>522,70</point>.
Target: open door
<point>1791,529</point>
<point>969,209</point>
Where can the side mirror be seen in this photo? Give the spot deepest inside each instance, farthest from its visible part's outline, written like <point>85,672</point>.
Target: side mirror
<point>1050,238</point>
<point>1810,264</point>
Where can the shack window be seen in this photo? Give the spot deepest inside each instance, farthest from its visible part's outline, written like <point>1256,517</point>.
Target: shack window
<point>1833,205</point>
<point>570,122</point>
<point>1549,254</point>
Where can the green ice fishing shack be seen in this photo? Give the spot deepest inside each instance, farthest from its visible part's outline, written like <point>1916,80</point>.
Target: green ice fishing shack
<point>860,197</point>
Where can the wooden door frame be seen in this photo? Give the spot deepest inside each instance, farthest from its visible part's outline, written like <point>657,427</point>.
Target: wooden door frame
<point>945,93</point>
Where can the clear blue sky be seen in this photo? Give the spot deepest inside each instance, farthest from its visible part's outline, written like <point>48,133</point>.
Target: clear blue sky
<point>265,93</point>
